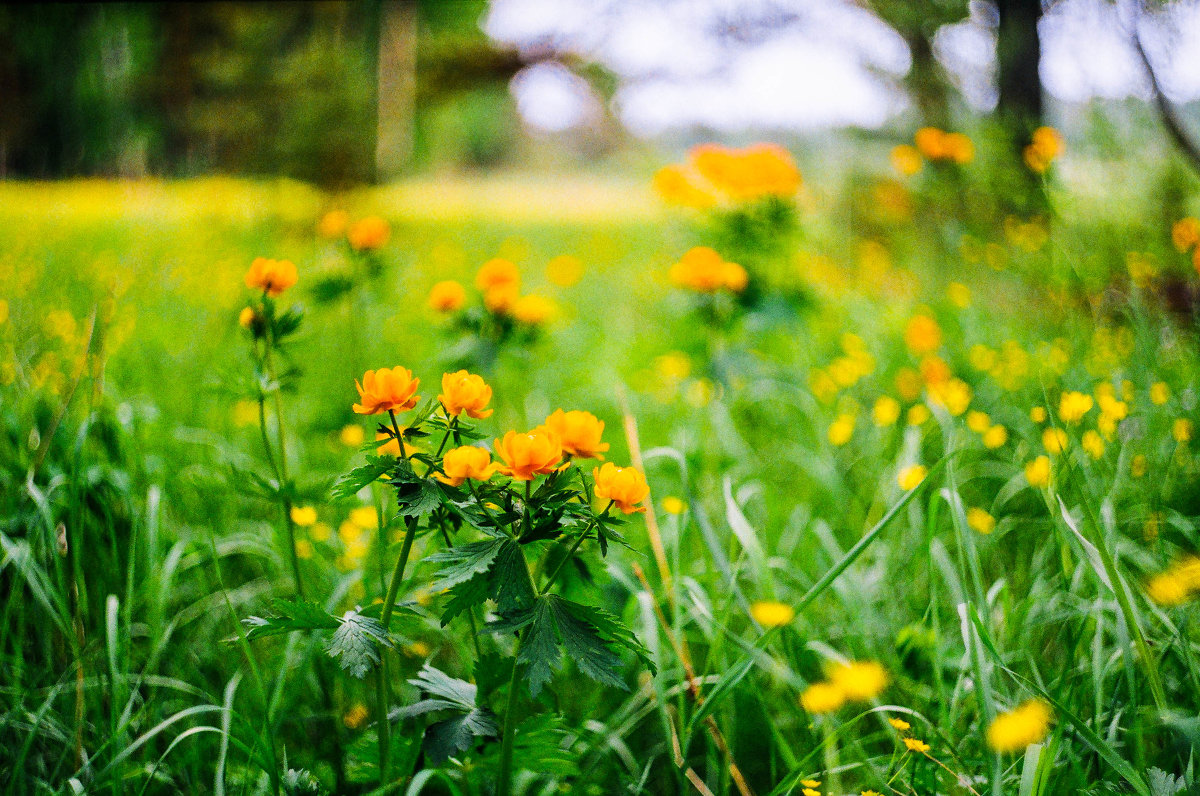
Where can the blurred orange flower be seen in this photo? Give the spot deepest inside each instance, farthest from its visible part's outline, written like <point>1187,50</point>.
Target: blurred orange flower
<point>271,276</point>
<point>579,432</point>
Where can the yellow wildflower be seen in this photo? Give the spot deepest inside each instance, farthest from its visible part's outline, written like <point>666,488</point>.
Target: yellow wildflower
<point>1020,727</point>
<point>1037,472</point>
<point>980,520</point>
<point>821,698</point>
<point>912,476</point>
<point>772,614</point>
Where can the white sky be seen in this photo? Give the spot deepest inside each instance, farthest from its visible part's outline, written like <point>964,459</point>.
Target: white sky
<point>825,63</point>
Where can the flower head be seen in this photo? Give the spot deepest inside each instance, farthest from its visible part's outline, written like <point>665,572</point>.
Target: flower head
<point>303,516</point>
<point>980,520</point>
<point>386,389</point>
<point>911,477</point>
<point>1185,233</point>
<point>447,296</point>
<point>821,698</point>
<point>271,276</point>
<point>678,185</point>
<point>899,724</point>
<point>465,392</point>
<point>525,455</point>
<point>368,234</point>
<point>922,335</point>
<point>914,745</point>
<point>580,433</point>
<point>772,614</point>
<point>906,159</point>
<point>1020,727</point>
<point>704,270</point>
<point>468,461</point>
<point>860,681</point>
<point>1037,472</point>
<point>626,487</point>
<point>333,224</point>
<point>500,299</point>
<point>533,309</point>
<point>496,272</point>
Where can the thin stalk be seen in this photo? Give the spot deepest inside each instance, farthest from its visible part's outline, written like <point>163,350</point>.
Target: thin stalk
<point>504,780</point>
<point>399,436</point>
<point>389,603</point>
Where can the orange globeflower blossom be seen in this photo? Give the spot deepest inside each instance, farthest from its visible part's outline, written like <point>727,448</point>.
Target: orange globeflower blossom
<point>931,142</point>
<point>526,455</point>
<point>368,234</point>
<point>1185,234</point>
<point>533,309</point>
<point>497,272</point>
<point>959,148</point>
<point>447,296</point>
<point>386,389</point>
<point>271,276</point>
<point>579,432</point>
<point>678,185</point>
<point>906,159</point>
<point>469,461</point>
<point>624,486</point>
<point>704,270</point>
<point>465,392</point>
<point>501,299</point>
<point>333,224</point>
<point>747,174</point>
<point>922,335</point>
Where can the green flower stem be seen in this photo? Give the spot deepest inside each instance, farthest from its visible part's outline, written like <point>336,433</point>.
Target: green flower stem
<point>383,725</point>
<point>504,779</point>
<point>399,436</point>
<point>385,618</point>
<point>389,603</point>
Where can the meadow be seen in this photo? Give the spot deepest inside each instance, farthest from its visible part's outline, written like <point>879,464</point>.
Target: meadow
<point>917,516</point>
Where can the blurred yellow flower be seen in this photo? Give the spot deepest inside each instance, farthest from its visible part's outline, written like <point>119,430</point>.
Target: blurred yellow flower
<point>355,716</point>
<point>679,185</point>
<point>245,413</point>
<point>533,309</point>
<point>1167,589</point>
<point>995,437</point>
<point>1055,441</point>
<point>886,411</point>
<point>1160,393</point>
<point>673,505</point>
<point>304,516</point>
<point>908,384</point>
<point>368,234</point>
<point>959,148</point>
<point>271,276</point>
<point>1181,429</point>
<point>922,335</point>
<point>1072,406</point>
<point>304,549</point>
<point>906,159</point>
<point>959,295</point>
<point>859,681</point>
<point>1185,234</point>
<point>912,476</point>
<point>842,429</point>
<point>1092,444</point>
<point>704,270</point>
<point>978,422</point>
<point>931,142</point>
<point>1138,466</point>
<point>365,517</point>
<point>497,272</point>
<point>953,394</point>
<point>1037,472</point>
<point>500,299</point>
<point>899,724</point>
<point>747,174</point>
<point>564,270</point>
<point>981,521</point>
<point>351,435</point>
<point>772,614</point>
<point>333,224</point>
<point>447,296</point>
<point>1020,727</point>
<point>821,698</point>
<point>247,317</point>
<point>320,532</point>
<point>917,414</point>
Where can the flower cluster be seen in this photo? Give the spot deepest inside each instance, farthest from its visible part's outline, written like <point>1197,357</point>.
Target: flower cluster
<point>1045,145</point>
<point>715,175</point>
<point>934,145</point>
<point>499,283</point>
<point>703,270</point>
<point>367,234</point>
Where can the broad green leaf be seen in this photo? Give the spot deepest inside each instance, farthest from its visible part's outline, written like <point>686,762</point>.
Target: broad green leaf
<point>356,643</point>
<point>290,615</point>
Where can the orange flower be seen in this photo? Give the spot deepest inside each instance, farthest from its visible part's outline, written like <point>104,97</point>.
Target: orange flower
<point>469,461</point>
<point>465,392</point>
<point>959,148</point>
<point>526,455</point>
<point>624,486</point>
<point>447,296</point>
<point>386,389</point>
<point>747,174</point>
<point>502,298</point>
<point>1185,233</point>
<point>271,276</point>
<point>931,142</point>
<point>497,272</point>
<point>678,185</point>
<point>533,309</point>
<point>703,270</point>
<point>368,234</point>
<point>580,433</point>
<point>333,224</point>
<point>922,335</point>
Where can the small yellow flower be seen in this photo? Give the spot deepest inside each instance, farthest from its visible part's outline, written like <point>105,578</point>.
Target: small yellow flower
<point>534,309</point>
<point>1185,234</point>
<point>811,783</point>
<point>1181,429</point>
<point>886,411</point>
<point>1038,414</point>
<point>915,745</point>
<point>364,517</point>
<point>772,614</point>
<point>497,272</point>
<point>995,437</point>
<point>1054,440</point>
<point>245,413</point>
<point>906,159</point>
<point>1138,466</point>
<point>821,698</point>
<point>247,317</point>
<point>1167,589</point>
<point>980,520</point>
<point>1160,393</point>
<point>841,430</point>
<point>912,476</point>
<point>1092,444</point>
<point>304,516</point>
<point>320,532</point>
<point>1020,727</point>
<point>959,295</point>
<point>333,224</point>
<point>447,296</point>
<point>1037,472</point>
<point>351,435</point>
<point>673,505</point>
<point>304,549</point>
<point>979,422</point>
<point>869,792</point>
<point>899,724</point>
<point>704,270</point>
<point>810,792</point>
<point>1072,406</point>
<point>355,716</point>
<point>860,681</point>
<point>917,414</point>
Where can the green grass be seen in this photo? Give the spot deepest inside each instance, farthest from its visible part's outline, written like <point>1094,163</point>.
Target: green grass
<point>130,551</point>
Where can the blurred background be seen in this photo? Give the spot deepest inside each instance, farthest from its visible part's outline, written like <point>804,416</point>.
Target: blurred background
<point>342,93</point>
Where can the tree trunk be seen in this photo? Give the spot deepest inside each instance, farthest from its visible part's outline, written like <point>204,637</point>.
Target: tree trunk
<point>1018,53</point>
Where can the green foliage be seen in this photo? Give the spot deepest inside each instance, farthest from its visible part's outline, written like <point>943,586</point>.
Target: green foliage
<point>454,735</point>
<point>357,643</point>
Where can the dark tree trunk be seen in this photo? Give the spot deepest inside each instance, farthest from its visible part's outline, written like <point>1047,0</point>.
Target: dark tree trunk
<point>1018,54</point>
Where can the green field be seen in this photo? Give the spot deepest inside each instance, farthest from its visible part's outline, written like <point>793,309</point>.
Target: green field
<point>788,532</point>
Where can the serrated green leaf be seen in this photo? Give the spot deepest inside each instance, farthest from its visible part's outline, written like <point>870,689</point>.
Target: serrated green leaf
<point>611,629</point>
<point>464,596</point>
<point>509,576</point>
<point>352,482</point>
<point>464,562</point>
<point>356,644</point>
<point>290,616</point>
<point>584,645</point>
<point>454,735</point>
<point>415,497</point>
<point>539,647</point>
